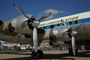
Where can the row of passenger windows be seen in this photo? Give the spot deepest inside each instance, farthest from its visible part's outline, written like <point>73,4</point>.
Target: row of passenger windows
<point>61,24</point>
<point>67,23</point>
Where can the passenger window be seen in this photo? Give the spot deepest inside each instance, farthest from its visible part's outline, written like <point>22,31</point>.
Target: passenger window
<point>44,27</point>
<point>58,24</point>
<point>63,24</point>
<point>51,26</point>
<point>70,23</point>
<point>76,22</point>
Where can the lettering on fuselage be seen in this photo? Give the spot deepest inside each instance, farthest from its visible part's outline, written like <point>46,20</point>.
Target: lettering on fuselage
<point>58,21</point>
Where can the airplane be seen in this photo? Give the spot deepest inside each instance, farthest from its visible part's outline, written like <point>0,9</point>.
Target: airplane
<point>26,29</point>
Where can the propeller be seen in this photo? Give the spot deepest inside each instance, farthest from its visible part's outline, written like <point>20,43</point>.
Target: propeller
<point>34,24</point>
<point>65,24</point>
<point>78,27</point>
<point>71,34</point>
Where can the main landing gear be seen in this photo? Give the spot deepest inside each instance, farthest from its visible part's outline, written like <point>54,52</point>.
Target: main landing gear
<point>37,54</point>
<point>71,51</point>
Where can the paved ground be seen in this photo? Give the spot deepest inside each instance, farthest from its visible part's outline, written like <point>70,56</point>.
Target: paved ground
<point>48,55</point>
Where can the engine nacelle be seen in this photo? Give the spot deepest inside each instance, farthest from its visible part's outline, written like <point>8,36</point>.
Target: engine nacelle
<point>22,25</point>
<point>59,33</point>
<point>1,22</point>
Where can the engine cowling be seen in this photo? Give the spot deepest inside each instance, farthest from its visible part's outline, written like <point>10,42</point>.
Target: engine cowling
<point>59,33</point>
<point>1,22</point>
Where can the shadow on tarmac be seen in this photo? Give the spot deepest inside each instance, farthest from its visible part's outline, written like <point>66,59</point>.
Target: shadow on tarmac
<point>48,56</point>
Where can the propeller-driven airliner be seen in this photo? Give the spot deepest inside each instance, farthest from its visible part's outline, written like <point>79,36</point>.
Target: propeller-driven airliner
<point>26,29</point>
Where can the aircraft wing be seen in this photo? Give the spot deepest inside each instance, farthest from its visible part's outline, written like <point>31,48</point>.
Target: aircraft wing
<point>6,38</point>
<point>16,39</point>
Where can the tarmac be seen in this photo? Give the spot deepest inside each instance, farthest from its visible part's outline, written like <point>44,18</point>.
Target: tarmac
<point>48,55</point>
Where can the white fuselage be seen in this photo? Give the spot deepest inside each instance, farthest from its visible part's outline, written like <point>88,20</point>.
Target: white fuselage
<point>21,28</point>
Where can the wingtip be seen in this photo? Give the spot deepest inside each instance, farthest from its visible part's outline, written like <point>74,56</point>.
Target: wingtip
<point>15,5</point>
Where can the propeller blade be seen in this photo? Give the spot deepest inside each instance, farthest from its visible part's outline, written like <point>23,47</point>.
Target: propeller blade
<point>35,39</point>
<point>65,24</point>
<point>21,11</point>
<point>78,27</point>
<point>73,45</point>
<point>45,16</point>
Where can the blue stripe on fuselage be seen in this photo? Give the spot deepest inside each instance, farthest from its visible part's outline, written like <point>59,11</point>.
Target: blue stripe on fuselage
<point>67,23</point>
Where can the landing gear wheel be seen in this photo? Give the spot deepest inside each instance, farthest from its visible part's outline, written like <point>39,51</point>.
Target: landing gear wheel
<point>37,55</point>
<point>71,52</point>
<point>41,54</point>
